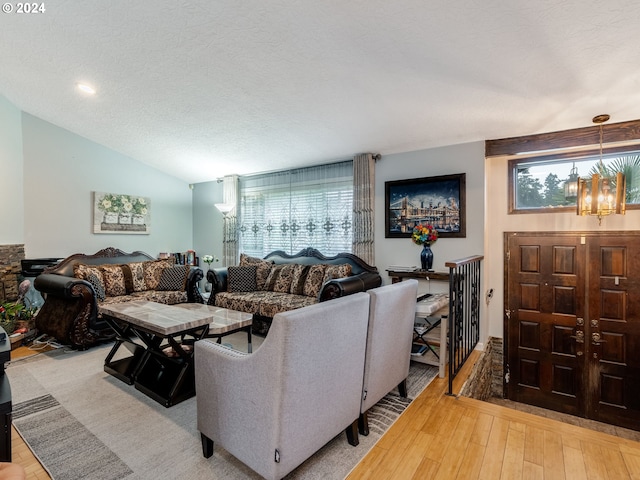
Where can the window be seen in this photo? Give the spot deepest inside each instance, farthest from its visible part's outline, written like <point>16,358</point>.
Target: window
<point>292,210</point>
<point>549,184</point>
<point>542,165</point>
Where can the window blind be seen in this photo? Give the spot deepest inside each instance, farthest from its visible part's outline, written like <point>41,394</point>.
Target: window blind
<point>295,209</point>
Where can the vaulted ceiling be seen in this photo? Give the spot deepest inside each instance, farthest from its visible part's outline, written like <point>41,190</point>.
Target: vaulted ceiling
<point>204,88</point>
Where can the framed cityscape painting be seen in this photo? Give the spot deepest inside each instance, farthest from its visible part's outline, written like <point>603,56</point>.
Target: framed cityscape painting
<point>439,201</point>
<point>118,213</point>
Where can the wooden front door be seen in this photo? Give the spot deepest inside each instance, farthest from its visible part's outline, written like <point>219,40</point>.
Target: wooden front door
<point>572,324</point>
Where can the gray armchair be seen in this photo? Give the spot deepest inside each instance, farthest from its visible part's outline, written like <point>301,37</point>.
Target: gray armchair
<point>276,407</point>
<point>391,316</point>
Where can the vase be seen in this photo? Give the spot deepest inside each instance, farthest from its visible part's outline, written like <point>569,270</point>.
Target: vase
<point>124,219</point>
<point>110,217</point>
<point>426,257</point>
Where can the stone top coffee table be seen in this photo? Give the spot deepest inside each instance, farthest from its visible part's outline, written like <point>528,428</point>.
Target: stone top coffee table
<point>162,329</point>
<point>225,321</point>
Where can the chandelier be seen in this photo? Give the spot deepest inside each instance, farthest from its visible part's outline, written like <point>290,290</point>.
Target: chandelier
<point>601,195</point>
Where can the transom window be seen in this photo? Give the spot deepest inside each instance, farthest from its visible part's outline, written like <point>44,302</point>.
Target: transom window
<point>551,184</point>
<point>544,168</point>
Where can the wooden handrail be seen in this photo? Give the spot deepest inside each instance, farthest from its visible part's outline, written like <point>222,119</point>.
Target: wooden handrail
<point>463,261</point>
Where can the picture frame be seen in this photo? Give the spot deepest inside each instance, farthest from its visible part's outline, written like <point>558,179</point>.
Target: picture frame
<point>439,200</point>
<point>120,213</point>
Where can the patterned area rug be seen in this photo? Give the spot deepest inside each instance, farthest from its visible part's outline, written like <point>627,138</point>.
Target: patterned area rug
<point>82,423</point>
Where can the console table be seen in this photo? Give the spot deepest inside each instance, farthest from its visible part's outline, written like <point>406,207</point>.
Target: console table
<point>429,332</point>
<point>398,276</point>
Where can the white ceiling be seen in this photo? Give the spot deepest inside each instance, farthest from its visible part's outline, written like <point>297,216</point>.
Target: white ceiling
<point>204,88</point>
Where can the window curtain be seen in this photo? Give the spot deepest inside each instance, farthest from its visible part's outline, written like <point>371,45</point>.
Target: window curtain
<point>363,206</point>
<point>295,209</point>
<point>230,223</point>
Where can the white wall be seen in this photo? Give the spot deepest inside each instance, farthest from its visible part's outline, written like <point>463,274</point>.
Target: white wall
<point>207,220</point>
<point>11,175</point>
<point>499,221</point>
<point>464,158</point>
<point>62,169</point>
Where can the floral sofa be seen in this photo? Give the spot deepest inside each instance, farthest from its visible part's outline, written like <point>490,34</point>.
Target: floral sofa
<point>75,287</point>
<point>281,282</point>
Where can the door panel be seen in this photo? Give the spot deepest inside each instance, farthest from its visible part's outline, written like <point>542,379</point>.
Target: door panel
<point>542,354</point>
<point>614,303</point>
<point>573,324</point>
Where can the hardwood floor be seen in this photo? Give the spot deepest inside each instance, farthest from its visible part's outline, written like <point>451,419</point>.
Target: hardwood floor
<point>443,437</point>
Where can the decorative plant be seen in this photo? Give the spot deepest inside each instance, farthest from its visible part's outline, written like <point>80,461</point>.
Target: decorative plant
<point>139,205</point>
<point>209,259</point>
<point>629,165</point>
<point>424,234</point>
<point>112,203</point>
<point>11,312</point>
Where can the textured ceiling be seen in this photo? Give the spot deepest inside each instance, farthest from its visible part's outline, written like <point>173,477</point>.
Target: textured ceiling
<point>204,88</point>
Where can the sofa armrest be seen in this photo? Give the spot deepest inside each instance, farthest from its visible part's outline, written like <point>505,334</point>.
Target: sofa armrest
<point>193,292</point>
<point>217,277</point>
<point>62,286</point>
<point>340,287</point>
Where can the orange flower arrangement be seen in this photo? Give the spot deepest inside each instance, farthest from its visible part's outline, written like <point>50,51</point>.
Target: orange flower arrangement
<point>424,234</point>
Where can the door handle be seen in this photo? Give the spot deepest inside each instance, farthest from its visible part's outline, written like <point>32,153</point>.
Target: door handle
<point>596,339</point>
<point>579,336</point>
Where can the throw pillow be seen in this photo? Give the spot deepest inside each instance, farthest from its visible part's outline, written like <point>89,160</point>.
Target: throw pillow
<point>173,278</point>
<point>283,282</point>
<point>153,271</point>
<point>248,260</point>
<point>134,277</point>
<point>97,285</point>
<point>242,279</point>
<point>113,278</point>
<point>82,271</point>
<point>313,283</point>
<point>337,271</point>
<point>298,279</point>
<point>262,271</point>
<point>270,282</point>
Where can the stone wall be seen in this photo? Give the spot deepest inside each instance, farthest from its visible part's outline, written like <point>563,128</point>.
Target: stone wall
<point>10,268</point>
<point>485,379</point>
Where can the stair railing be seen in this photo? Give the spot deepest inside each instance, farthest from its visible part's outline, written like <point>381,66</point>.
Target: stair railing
<point>464,311</point>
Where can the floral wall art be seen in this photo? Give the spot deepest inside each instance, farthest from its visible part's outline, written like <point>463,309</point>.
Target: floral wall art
<point>118,213</point>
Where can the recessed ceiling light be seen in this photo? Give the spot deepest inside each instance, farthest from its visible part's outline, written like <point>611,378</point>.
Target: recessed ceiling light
<point>86,88</point>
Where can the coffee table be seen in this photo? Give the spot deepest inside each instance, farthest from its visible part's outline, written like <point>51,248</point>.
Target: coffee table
<point>161,364</point>
<point>225,321</point>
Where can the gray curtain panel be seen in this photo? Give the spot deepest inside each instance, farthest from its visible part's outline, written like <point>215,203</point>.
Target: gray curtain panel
<point>363,206</point>
<point>230,230</point>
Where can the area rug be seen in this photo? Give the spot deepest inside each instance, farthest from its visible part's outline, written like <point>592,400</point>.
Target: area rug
<point>83,423</point>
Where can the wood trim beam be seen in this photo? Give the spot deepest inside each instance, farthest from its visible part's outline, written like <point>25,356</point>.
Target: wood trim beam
<point>566,139</point>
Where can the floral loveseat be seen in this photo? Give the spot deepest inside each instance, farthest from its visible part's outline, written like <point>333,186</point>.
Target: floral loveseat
<point>77,285</point>
<point>281,282</point>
